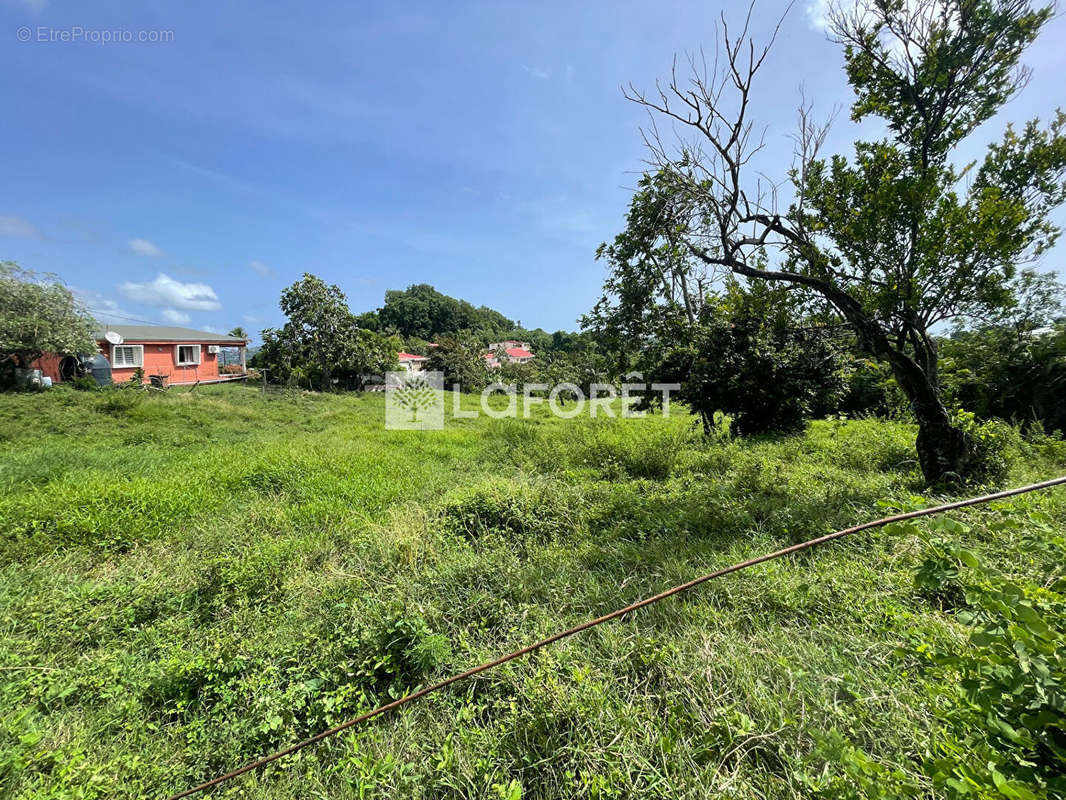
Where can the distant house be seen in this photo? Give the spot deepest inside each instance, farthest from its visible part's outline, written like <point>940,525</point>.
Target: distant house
<point>508,343</point>
<point>411,362</point>
<point>510,351</point>
<point>177,355</point>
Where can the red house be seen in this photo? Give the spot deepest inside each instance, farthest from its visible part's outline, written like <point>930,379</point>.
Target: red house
<point>177,355</point>
<point>411,362</point>
<point>511,350</point>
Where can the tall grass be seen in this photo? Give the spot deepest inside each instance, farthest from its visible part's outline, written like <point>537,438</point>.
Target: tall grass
<point>188,581</point>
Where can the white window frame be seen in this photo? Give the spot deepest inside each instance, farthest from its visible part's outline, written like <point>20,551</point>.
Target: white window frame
<point>177,355</point>
<point>138,353</point>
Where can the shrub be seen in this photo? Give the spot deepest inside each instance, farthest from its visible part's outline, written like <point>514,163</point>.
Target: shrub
<point>872,391</point>
<point>996,447</point>
<point>1002,372</point>
<point>750,357</point>
<point>84,383</point>
<point>1006,690</point>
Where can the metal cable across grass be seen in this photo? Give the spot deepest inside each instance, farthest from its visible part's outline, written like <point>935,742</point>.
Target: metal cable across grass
<point>621,612</point>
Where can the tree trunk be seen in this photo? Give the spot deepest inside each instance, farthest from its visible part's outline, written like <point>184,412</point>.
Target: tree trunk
<point>707,418</point>
<point>944,451</point>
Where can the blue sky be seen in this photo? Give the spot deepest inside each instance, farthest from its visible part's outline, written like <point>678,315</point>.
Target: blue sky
<point>484,148</point>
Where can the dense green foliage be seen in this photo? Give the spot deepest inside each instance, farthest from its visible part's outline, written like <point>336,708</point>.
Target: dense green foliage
<point>1013,365</point>
<point>190,580</point>
<point>767,379</point>
<point>38,315</point>
<point>461,362</point>
<point>894,239</point>
<point>1005,695</point>
<point>322,345</point>
<point>1010,365</point>
<point>751,354</point>
<point>999,372</point>
<point>422,312</point>
<point>420,315</point>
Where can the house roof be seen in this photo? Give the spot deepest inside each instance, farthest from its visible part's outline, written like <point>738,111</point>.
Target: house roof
<point>166,333</point>
<point>410,357</point>
<point>512,352</point>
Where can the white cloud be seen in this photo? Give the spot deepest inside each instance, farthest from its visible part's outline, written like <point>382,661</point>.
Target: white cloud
<point>540,73</point>
<point>261,269</point>
<point>165,291</point>
<point>175,316</point>
<point>143,247</point>
<point>19,226</point>
<point>818,14</point>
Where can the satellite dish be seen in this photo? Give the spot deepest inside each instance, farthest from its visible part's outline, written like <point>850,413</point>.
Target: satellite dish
<point>114,337</point>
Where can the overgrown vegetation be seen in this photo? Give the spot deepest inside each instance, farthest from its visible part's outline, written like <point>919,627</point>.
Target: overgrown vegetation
<point>749,355</point>
<point>322,345</point>
<point>900,236</point>
<point>190,580</point>
<point>1004,694</point>
<point>38,315</point>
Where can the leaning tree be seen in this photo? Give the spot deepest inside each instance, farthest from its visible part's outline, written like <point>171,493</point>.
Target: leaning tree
<point>898,237</point>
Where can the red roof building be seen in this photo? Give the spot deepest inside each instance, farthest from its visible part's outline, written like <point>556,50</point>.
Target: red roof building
<point>174,355</point>
<point>510,351</point>
<point>411,362</point>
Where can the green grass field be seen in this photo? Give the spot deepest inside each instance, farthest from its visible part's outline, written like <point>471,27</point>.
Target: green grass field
<point>192,580</point>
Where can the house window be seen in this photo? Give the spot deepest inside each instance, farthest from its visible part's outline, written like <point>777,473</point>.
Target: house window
<point>187,354</point>
<point>127,355</point>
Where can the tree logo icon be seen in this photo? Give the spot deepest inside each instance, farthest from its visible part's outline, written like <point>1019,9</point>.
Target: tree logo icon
<point>416,395</point>
<point>414,401</point>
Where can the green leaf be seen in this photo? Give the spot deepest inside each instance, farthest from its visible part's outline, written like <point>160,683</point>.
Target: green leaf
<point>968,558</point>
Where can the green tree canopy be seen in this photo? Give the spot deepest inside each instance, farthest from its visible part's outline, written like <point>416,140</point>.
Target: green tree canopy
<point>322,342</point>
<point>895,238</point>
<point>423,312</point>
<point>461,362</point>
<point>1012,364</point>
<point>39,315</point>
